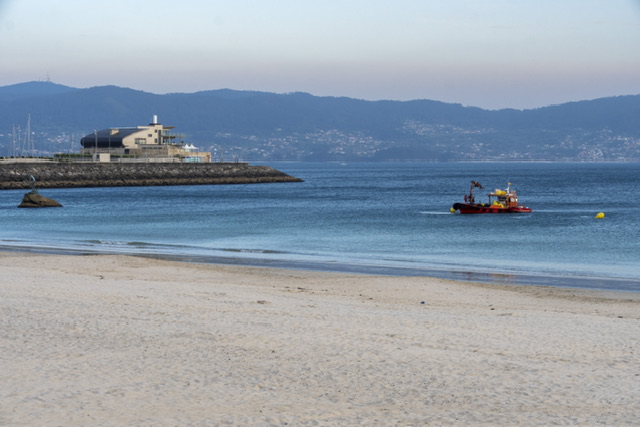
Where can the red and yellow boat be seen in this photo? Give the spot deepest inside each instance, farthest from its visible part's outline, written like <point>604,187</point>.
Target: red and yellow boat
<point>500,201</point>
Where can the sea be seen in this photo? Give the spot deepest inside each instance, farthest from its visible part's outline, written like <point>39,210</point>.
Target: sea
<point>364,218</point>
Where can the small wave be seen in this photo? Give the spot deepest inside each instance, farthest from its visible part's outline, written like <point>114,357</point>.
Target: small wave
<point>435,213</point>
<point>252,251</point>
<point>115,244</point>
<point>142,244</point>
<point>94,242</point>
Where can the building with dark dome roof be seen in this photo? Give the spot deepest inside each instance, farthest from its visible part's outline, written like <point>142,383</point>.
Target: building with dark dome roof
<point>153,142</point>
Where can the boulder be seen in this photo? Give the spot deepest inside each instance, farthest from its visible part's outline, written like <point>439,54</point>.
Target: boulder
<point>35,200</point>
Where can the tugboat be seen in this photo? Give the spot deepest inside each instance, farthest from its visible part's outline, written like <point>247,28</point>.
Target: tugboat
<point>506,201</point>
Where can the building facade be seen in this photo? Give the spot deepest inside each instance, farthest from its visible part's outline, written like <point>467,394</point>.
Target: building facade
<point>153,142</point>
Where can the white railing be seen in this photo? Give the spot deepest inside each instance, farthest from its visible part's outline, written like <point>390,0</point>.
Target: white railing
<point>25,160</point>
<point>145,160</point>
<point>91,160</point>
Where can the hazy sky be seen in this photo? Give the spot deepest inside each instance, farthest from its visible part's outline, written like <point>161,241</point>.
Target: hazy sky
<point>486,53</point>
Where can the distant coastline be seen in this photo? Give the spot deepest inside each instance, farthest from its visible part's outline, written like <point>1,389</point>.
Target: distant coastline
<point>301,127</point>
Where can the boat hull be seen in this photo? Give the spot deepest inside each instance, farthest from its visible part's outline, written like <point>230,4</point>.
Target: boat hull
<point>475,208</point>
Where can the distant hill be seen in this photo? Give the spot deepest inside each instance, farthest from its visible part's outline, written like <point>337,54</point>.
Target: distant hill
<point>32,89</point>
<point>298,126</point>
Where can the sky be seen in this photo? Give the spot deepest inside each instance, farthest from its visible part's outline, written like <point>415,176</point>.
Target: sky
<point>486,53</point>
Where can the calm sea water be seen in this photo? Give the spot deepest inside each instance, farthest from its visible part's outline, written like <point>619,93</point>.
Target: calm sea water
<point>381,218</point>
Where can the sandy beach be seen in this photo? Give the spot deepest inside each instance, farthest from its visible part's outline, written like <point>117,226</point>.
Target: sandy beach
<point>116,340</point>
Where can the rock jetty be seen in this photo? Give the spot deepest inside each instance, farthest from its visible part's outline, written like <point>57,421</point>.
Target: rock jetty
<point>71,175</point>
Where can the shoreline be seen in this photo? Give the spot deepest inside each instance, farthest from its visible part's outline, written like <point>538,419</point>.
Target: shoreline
<point>128,340</point>
<point>503,278</point>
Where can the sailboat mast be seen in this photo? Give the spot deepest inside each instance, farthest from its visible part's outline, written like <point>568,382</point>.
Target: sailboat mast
<point>25,150</point>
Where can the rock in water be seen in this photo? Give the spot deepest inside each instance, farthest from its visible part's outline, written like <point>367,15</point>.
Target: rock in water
<point>35,200</point>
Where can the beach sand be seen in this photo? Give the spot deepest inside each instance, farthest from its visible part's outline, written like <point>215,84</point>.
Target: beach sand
<point>117,340</point>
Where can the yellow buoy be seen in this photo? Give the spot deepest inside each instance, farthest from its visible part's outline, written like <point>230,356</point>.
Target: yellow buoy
<point>600,215</point>
<point>452,210</point>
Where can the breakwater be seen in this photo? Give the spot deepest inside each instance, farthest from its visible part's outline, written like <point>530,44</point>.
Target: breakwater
<point>71,175</point>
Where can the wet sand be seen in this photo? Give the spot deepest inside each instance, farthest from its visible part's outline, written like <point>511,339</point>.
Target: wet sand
<point>118,340</point>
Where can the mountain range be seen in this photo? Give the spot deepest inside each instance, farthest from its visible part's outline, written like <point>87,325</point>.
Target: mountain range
<point>262,126</point>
